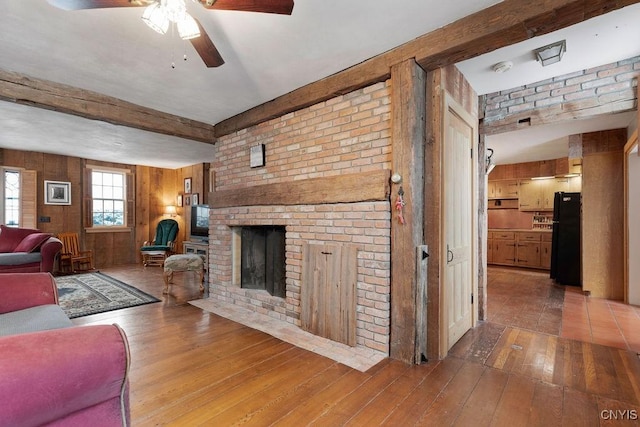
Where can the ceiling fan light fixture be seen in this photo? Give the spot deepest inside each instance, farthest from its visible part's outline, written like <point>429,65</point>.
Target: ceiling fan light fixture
<point>188,28</point>
<point>174,9</point>
<point>155,17</point>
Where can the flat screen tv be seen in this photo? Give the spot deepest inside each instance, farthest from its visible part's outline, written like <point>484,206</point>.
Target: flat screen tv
<point>200,222</point>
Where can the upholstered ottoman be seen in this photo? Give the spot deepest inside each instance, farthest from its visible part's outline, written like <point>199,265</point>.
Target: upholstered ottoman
<point>183,262</point>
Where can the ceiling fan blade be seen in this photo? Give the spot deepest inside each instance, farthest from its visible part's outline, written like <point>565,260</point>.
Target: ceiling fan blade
<point>206,49</point>
<point>281,7</point>
<point>97,4</point>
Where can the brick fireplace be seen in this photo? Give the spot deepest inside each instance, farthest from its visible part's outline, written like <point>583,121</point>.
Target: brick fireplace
<point>325,180</point>
<point>364,225</point>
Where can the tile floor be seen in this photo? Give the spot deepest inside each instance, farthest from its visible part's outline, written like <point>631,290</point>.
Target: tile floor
<point>530,300</point>
<point>600,321</point>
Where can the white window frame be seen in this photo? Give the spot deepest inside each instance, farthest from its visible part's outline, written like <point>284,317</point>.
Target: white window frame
<point>110,228</point>
<point>3,170</point>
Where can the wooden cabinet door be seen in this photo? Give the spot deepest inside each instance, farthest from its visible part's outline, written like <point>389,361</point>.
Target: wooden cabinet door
<point>548,188</point>
<point>507,189</point>
<point>491,189</point>
<point>504,252</point>
<point>545,255</point>
<point>328,291</point>
<point>489,250</point>
<point>528,254</point>
<point>529,195</point>
<point>575,184</point>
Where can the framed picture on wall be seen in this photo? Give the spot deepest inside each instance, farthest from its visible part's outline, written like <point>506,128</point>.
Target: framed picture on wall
<point>187,186</point>
<point>57,193</point>
<point>187,200</point>
<point>179,200</point>
<point>194,199</point>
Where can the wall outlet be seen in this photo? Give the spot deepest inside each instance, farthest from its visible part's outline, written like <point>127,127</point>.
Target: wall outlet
<point>44,219</point>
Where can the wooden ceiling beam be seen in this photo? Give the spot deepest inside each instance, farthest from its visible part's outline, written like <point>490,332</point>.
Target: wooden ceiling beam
<point>21,89</point>
<point>503,24</point>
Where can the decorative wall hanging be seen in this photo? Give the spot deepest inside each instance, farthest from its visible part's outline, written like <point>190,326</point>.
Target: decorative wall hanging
<point>57,193</point>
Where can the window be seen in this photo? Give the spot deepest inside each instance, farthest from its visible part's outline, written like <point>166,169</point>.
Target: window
<point>11,198</point>
<point>108,198</point>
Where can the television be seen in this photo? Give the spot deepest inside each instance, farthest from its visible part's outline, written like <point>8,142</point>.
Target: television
<point>200,223</point>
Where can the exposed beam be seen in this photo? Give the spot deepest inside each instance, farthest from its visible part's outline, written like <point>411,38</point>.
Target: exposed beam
<point>347,188</point>
<point>408,104</point>
<point>21,89</point>
<point>503,24</point>
<point>559,113</point>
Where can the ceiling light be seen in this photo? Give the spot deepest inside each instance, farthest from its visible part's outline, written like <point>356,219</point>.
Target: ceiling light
<point>551,54</point>
<point>155,18</point>
<point>502,67</point>
<point>160,14</point>
<point>188,28</point>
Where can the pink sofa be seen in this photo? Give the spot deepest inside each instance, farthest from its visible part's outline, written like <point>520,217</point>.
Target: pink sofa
<point>70,375</point>
<point>26,250</point>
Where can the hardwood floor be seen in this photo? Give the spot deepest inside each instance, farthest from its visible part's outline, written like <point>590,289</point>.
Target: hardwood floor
<point>190,367</point>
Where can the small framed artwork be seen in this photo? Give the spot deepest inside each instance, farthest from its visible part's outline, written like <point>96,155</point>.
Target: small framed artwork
<point>187,186</point>
<point>187,200</point>
<point>57,193</point>
<point>179,200</point>
<point>194,199</point>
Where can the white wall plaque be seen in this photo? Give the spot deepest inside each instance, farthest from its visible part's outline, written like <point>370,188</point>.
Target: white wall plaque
<point>257,156</point>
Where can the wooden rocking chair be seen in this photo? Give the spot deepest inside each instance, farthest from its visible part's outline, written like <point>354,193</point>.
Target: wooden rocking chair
<point>72,259</point>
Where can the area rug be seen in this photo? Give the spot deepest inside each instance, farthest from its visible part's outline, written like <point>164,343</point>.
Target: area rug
<point>91,293</point>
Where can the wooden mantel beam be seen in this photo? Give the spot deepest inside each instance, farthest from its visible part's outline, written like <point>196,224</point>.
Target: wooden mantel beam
<point>503,24</point>
<point>22,89</point>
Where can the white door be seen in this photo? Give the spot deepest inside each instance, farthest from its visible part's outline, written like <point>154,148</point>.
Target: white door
<point>458,221</point>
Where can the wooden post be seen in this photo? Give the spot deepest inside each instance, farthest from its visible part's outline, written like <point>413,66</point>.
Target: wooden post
<point>408,106</point>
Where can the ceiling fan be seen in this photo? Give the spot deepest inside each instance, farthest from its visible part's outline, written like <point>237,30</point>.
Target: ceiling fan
<point>193,31</point>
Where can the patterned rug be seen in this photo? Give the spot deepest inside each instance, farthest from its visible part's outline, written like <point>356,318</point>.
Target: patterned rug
<point>91,293</point>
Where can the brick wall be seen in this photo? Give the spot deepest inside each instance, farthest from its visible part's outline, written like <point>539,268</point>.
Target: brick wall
<point>346,134</point>
<point>608,85</point>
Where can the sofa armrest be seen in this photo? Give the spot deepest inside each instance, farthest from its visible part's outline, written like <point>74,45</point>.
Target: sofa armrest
<point>48,252</point>
<point>24,290</point>
<point>72,376</point>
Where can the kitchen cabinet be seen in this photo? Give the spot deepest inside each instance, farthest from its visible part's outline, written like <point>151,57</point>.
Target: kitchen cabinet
<point>530,194</point>
<point>489,247</point>
<point>545,255</point>
<point>503,189</point>
<point>530,249</point>
<point>504,248</point>
<point>551,187</point>
<point>537,194</point>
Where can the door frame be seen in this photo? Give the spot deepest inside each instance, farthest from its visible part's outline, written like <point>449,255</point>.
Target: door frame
<point>450,104</point>
<point>632,143</point>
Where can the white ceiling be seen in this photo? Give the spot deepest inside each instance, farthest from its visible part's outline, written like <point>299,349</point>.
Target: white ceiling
<point>111,51</point>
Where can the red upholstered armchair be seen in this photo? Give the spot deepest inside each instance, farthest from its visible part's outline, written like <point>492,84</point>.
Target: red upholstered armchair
<point>71,376</point>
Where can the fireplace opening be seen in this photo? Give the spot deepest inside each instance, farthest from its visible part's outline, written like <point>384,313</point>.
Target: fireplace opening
<point>262,253</point>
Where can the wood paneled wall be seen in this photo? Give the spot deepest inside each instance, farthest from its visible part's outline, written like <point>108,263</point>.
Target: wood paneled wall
<point>603,213</point>
<point>154,189</point>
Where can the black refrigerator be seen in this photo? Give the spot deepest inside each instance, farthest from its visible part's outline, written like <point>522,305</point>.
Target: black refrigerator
<point>565,243</point>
